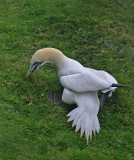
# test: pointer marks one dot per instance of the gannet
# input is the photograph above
(81, 86)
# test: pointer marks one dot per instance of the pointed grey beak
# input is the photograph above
(29, 72)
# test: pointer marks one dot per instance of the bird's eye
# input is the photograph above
(36, 66)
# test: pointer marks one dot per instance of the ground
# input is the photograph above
(97, 33)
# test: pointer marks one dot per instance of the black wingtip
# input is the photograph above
(120, 85)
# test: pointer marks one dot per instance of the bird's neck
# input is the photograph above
(59, 60)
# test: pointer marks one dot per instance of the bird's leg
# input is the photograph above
(103, 98)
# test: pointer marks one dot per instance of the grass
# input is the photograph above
(97, 33)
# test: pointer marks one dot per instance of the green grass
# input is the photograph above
(97, 33)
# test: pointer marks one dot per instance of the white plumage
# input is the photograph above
(84, 117)
(84, 81)
(81, 86)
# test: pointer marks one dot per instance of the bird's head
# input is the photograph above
(46, 55)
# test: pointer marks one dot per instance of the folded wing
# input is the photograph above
(84, 81)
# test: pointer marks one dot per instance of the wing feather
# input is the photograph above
(84, 81)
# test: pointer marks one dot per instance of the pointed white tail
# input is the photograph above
(88, 123)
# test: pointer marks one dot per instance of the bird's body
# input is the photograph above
(81, 86)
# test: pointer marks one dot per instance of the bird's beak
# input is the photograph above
(29, 72)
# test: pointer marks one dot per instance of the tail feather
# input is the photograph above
(72, 115)
(88, 123)
(97, 125)
(78, 116)
(82, 131)
(73, 124)
(78, 125)
(73, 111)
(70, 119)
(82, 125)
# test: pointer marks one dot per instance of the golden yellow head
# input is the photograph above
(46, 55)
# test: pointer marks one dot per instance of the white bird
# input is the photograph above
(81, 86)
